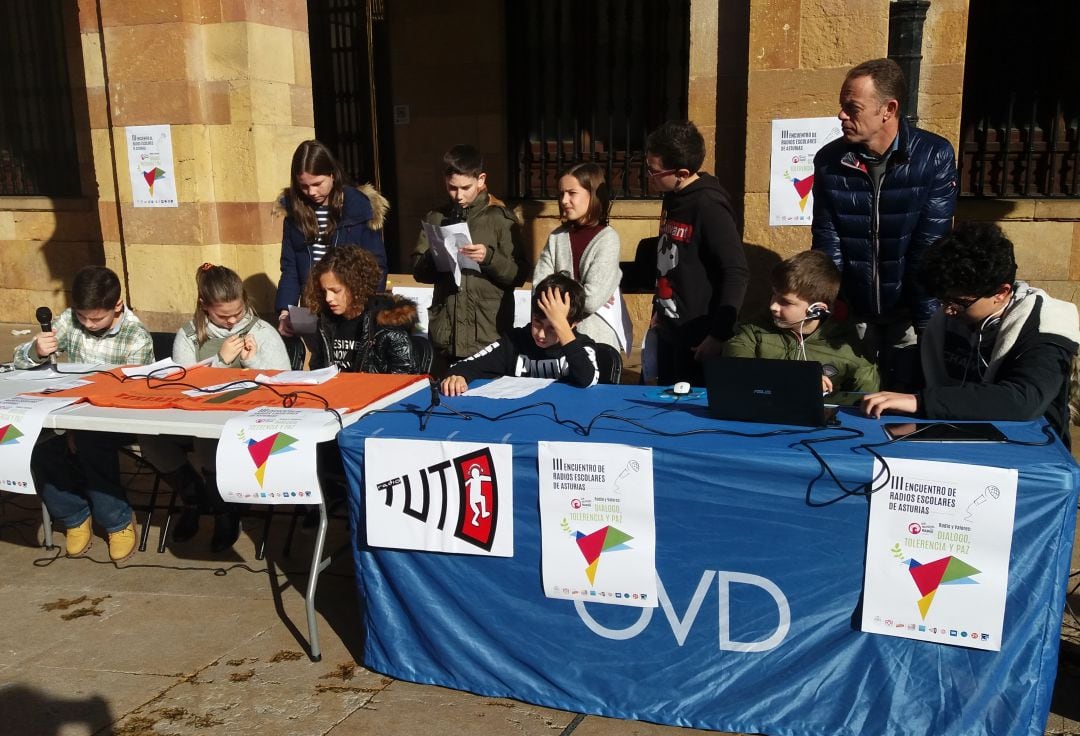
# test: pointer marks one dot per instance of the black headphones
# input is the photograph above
(817, 310)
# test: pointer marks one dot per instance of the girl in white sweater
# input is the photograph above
(225, 329)
(588, 249)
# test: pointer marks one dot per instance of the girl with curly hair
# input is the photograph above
(359, 329)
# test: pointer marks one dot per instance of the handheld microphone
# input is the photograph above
(457, 214)
(43, 315)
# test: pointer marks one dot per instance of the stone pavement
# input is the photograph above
(187, 642)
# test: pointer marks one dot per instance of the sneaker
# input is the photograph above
(122, 543)
(226, 531)
(188, 525)
(78, 539)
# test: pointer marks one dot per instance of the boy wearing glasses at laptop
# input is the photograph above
(804, 288)
(700, 263)
(997, 348)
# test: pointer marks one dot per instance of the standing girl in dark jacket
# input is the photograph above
(322, 211)
(359, 329)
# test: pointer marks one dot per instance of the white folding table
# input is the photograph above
(207, 424)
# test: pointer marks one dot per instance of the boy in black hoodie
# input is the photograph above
(701, 266)
(549, 347)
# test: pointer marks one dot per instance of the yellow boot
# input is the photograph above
(122, 543)
(78, 539)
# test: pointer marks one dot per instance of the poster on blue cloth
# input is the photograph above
(455, 497)
(597, 526)
(937, 557)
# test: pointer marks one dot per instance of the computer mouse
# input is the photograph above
(682, 388)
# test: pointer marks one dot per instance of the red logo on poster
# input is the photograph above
(478, 499)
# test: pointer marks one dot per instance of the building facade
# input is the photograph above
(533, 84)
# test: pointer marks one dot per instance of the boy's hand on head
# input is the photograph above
(474, 251)
(231, 348)
(876, 404)
(555, 305)
(453, 386)
(45, 344)
(708, 347)
(284, 323)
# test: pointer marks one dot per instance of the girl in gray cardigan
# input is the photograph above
(588, 249)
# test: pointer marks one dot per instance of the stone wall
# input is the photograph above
(233, 80)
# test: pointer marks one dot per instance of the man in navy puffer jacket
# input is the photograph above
(883, 193)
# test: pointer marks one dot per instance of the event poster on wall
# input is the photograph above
(267, 455)
(455, 497)
(150, 164)
(795, 142)
(937, 558)
(21, 418)
(597, 528)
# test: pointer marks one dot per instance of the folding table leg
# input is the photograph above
(46, 527)
(317, 566)
(163, 534)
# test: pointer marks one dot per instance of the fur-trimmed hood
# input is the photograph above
(390, 310)
(380, 205)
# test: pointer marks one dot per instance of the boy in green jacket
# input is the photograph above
(463, 319)
(804, 289)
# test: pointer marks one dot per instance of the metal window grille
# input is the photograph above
(1021, 114)
(37, 136)
(588, 81)
(351, 95)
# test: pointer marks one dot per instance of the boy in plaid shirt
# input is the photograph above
(81, 475)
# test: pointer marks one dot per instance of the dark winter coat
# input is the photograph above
(362, 217)
(463, 319)
(1026, 375)
(876, 238)
(517, 354)
(380, 344)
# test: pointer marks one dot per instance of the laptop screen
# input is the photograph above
(765, 390)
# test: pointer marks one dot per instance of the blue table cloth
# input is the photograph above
(734, 515)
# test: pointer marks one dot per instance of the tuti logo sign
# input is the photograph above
(439, 496)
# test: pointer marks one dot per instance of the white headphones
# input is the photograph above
(817, 310)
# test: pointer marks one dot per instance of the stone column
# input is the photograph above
(233, 80)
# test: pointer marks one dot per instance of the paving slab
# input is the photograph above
(408, 708)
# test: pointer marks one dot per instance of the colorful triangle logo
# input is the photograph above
(261, 450)
(592, 546)
(9, 433)
(931, 576)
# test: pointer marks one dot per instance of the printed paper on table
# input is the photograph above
(597, 528)
(937, 558)
(455, 497)
(21, 418)
(795, 143)
(267, 455)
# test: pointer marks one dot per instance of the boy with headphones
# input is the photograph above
(797, 327)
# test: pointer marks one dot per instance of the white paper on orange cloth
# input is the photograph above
(452, 497)
(267, 455)
(21, 418)
(597, 526)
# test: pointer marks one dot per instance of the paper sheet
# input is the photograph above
(299, 378)
(509, 387)
(304, 321)
(444, 242)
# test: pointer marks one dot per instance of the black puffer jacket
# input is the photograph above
(877, 238)
(382, 342)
